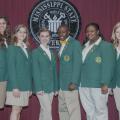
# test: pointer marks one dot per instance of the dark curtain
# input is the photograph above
(104, 12)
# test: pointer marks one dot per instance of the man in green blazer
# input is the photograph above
(69, 75)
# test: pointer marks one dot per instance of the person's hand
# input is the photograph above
(72, 86)
(16, 93)
(30, 93)
(104, 89)
(111, 92)
(56, 93)
(40, 93)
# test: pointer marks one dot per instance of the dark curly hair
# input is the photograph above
(7, 35)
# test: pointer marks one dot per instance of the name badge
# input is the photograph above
(98, 59)
(66, 58)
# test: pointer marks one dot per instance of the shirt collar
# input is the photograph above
(22, 44)
(43, 47)
(96, 43)
(65, 41)
(67, 38)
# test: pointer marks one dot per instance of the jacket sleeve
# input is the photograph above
(77, 63)
(3, 64)
(108, 63)
(36, 72)
(11, 67)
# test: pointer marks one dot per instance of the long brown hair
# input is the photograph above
(14, 39)
(113, 37)
(7, 34)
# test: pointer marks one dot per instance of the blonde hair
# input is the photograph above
(114, 39)
(17, 28)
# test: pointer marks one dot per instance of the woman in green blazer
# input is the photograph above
(44, 74)
(116, 80)
(19, 72)
(3, 45)
(97, 72)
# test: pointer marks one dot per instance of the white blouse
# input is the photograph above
(47, 50)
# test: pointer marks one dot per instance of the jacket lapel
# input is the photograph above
(66, 46)
(92, 51)
(45, 54)
(22, 52)
(52, 57)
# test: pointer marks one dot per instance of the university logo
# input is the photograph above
(51, 14)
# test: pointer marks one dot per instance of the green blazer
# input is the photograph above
(19, 69)
(3, 65)
(70, 64)
(44, 71)
(99, 65)
(116, 80)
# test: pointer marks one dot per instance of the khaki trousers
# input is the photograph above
(69, 106)
(2, 93)
(46, 106)
(117, 99)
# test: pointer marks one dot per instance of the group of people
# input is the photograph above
(77, 73)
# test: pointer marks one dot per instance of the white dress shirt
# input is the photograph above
(46, 50)
(118, 52)
(23, 46)
(5, 42)
(88, 47)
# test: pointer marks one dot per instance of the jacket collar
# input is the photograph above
(96, 43)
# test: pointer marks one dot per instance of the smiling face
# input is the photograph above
(63, 33)
(91, 33)
(44, 37)
(3, 25)
(21, 34)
